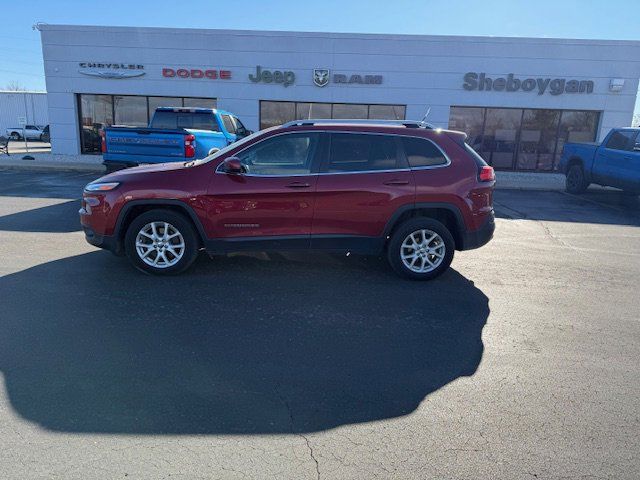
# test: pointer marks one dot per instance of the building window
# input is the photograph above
(155, 102)
(130, 110)
(276, 113)
(98, 111)
(523, 139)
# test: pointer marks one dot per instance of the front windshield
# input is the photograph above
(236, 144)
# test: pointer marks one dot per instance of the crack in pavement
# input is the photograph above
(311, 454)
(304, 437)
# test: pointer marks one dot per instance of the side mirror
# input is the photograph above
(233, 166)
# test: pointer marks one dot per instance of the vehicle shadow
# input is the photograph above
(56, 218)
(240, 345)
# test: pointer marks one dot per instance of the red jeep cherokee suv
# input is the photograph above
(403, 188)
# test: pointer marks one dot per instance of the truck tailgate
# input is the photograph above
(144, 145)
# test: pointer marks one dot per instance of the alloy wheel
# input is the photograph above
(160, 244)
(422, 251)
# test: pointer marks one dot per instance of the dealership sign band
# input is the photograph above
(556, 86)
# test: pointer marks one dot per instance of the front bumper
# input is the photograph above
(480, 237)
(108, 242)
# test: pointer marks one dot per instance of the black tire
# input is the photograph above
(178, 222)
(15, 136)
(394, 248)
(629, 198)
(111, 167)
(575, 180)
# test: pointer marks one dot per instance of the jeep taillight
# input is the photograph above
(103, 142)
(487, 174)
(189, 146)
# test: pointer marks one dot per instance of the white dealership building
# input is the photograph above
(519, 99)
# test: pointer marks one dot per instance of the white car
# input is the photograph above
(31, 132)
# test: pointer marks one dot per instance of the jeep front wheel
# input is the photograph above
(421, 249)
(161, 242)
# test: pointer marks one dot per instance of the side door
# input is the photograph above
(31, 132)
(611, 160)
(271, 204)
(363, 180)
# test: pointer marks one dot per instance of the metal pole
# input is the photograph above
(24, 136)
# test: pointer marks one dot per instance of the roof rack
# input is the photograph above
(331, 121)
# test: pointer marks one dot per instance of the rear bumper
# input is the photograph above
(480, 237)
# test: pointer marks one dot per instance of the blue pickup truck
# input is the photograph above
(613, 163)
(174, 134)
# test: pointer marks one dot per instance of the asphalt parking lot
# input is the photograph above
(521, 362)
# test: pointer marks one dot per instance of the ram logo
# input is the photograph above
(321, 76)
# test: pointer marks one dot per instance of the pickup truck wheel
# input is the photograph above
(575, 181)
(161, 242)
(421, 249)
(15, 136)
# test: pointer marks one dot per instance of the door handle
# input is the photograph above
(298, 185)
(396, 181)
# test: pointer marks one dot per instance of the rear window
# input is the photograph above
(421, 152)
(191, 120)
(475, 155)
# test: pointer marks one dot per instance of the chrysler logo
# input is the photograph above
(111, 70)
(321, 76)
(111, 74)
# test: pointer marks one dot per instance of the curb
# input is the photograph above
(530, 188)
(54, 168)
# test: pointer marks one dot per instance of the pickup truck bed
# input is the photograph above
(145, 145)
(174, 134)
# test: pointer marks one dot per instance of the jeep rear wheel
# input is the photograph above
(161, 242)
(421, 249)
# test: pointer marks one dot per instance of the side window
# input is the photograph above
(621, 140)
(240, 128)
(30, 127)
(288, 154)
(422, 153)
(228, 124)
(352, 152)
